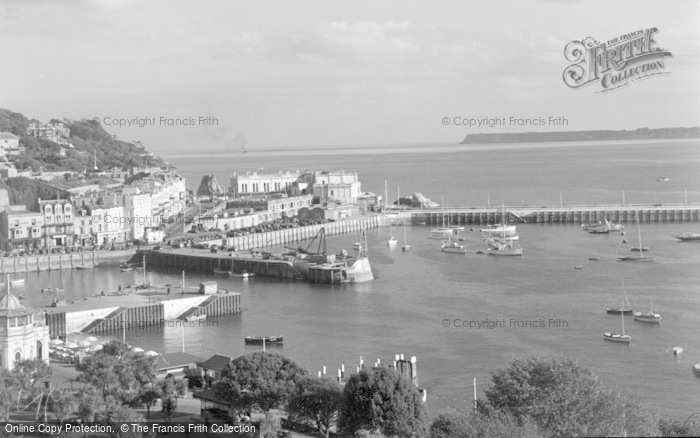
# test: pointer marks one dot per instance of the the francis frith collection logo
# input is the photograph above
(615, 63)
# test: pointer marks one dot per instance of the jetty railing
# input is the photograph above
(647, 213)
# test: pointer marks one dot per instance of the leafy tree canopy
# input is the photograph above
(383, 400)
(317, 401)
(566, 399)
(260, 379)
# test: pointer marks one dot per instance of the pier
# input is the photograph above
(289, 235)
(113, 314)
(54, 262)
(574, 214)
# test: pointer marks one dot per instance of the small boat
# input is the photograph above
(578, 267)
(221, 272)
(456, 229)
(641, 257)
(453, 247)
(649, 316)
(502, 247)
(662, 179)
(499, 230)
(241, 274)
(392, 241)
(696, 369)
(644, 248)
(17, 282)
(84, 266)
(126, 268)
(357, 245)
(625, 307)
(259, 340)
(196, 317)
(688, 237)
(51, 290)
(440, 233)
(595, 259)
(677, 350)
(616, 337)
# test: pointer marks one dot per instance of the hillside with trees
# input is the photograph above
(89, 141)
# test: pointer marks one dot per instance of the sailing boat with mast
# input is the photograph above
(641, 257)
(616, 337)
(405, 246)
(392, 240)
(442, 233)
(625, 307)
(649, 316)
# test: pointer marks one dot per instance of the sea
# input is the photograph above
(465, 316)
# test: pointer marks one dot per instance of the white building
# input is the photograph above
(336, 187)
(261, 183)
(24, 333)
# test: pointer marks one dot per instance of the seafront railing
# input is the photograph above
(646, 213)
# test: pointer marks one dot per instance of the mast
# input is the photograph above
(386, 196)
(622, 315)
(639, 233)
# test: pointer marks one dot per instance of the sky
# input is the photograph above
(283, 74)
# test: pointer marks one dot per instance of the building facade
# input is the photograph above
(336, 187)
(24, 333)
(20, 228)
(56, 132)
(58, 227)
(261, 183)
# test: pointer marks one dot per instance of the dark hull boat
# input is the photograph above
(259, 340)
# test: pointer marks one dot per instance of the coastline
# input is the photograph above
(413, 148)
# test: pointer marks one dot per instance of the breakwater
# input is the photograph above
(289, 235)
(116, 314)
(53, 262)
(561, 214)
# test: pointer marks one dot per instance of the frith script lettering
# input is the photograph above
(615, 63)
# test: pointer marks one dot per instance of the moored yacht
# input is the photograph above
(453, 247)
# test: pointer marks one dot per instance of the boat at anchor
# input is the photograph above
(453, 247)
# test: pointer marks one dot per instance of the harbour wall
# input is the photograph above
(260, 265)
(112, 320)
(54, 262)
(289, 235)
(549, 215)
(280, 268)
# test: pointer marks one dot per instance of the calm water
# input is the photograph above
(402, 311)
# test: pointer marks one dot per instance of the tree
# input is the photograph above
(117, 372)
(116, 414)
(270, 426)
(9, 393)
(259, 379)
(385, 401)
(87, 408)
(480, 424)
(62, 406)
(565, 399)
(148, 397)
(681, 425)
(170, 388)
(317, 401)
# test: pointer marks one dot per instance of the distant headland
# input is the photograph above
(598, 135)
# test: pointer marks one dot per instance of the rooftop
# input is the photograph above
(8, 136)
(216, 362)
